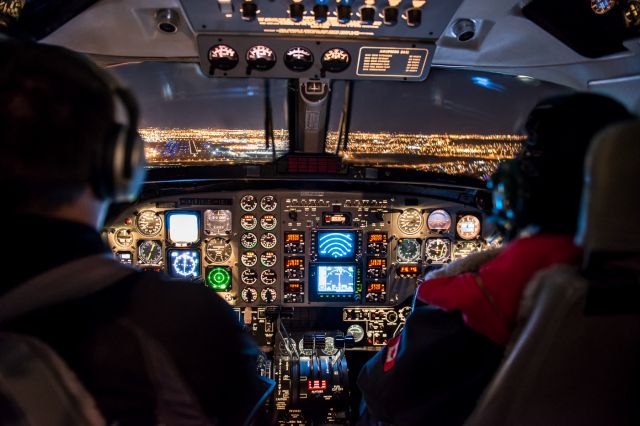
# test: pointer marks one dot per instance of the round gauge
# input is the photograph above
(329, 346)
(185, 265)
(410, 221)
(268, 259)
(248, 221)
(249, 294)
(303, 351)
(439, 221)
(601, 7)
(123, 237)
(217, 222)
(268, 240)
(268, 277)
(465, 248)
(298, 59)
(150, 252)
(218, 250)
(249, 240)
(249, 276)
(268, 222)
(437, 250)
(268, 203)
(268, 295)
(336, 60)
(223, 57)
(468, 227)
(408, 250)
(356, 331)
(248, 203)
(249, 258)
(149, 223)
(261, 58)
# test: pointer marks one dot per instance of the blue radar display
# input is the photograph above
(184, 263)
(336, 244)
(336, 279)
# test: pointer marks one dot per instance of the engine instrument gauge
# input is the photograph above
(268, 277)
(437, 250)
(336, 60)
(261, 58)
(268, 240)
(468, 227)
(149, 252)
(249, 276)
(123, 237)
(218, 250)
(268, 259)
(248, 221)
(600, 7)
(249, 258)
(249, 240)
(249, 294)
(298, 59)
(410, 221)
(223, 57)
(268, 222)
(217, 222)
(268, 295)
(268, 203)
(248, 203)
(439, 221)
(149, 223)
(408, 250)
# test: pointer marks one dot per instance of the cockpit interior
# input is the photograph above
(311, 160)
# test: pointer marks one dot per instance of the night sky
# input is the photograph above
(452, 101)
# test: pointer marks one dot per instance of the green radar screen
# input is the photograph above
(219, 278)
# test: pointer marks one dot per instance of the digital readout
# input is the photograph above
(376, 263)
(293, 287)
(336, 219)
(294, 262)
(409, 270)
(374, 287)
(294, 237)
(377, 237)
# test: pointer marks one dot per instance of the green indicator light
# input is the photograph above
(219, 278)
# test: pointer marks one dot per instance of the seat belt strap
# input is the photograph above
(71, 281)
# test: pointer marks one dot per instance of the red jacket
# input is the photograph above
(489, 299)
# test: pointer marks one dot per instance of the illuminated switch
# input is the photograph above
(414, 17)
(367, 15)
(320, 11)
(296, 11)
(249, 10)
(390, 15)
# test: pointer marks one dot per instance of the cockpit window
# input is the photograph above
(455, 122)
(189, 119)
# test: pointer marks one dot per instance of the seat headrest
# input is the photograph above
(610, 198)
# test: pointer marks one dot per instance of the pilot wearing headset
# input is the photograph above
(465, 313)
(149, 350)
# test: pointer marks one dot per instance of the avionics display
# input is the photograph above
(335, 279)
(184, 263)
(183, 227)
(336, 244)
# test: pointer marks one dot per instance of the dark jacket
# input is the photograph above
(197, 329)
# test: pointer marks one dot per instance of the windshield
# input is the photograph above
(457, 122)
(189, 119)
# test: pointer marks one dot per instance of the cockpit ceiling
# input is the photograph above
(504, 41)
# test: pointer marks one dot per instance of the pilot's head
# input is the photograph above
(66, 129)
(540, 189)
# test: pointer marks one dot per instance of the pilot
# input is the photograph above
(465, 313)
(150, 350)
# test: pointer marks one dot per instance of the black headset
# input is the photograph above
(118, 167)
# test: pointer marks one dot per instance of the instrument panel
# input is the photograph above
(300, 249)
